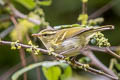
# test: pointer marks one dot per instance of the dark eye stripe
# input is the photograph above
(47, 34)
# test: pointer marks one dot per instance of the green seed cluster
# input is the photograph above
(84, 60)
(83, 18)
(96, 21)
(101, 40)
(14, 45)
(84, 66)
(33, 48)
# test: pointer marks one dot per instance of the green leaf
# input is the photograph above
(67, 73)
(117, 66)
(52, 73)
(35, 29)
(30, 4)
(46, 64)
(45, 3)
(84, 60)
(50, 64)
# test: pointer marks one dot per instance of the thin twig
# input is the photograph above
(35, 59)
(23, 16)
(6, 32)
(106, 50)
(112, 53)
(89, 69)
(23, 45)
(97, 63)
(19, 14)
(103, 9)
(24, 63)
(21, 50)
(84, 7)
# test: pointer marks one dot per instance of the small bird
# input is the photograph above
(69, 41)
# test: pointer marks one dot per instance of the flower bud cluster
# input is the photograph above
(101, 40)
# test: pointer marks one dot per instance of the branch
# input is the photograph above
(23, 16)
(84, 7)
(103, 9)
(23, 45)
(35, 60)
(97, 63)
(19, 14)
(112, 53)
(105, 50)
(21, 50)
(6, 32)
(89, 69)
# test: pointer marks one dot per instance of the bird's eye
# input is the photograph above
(44, 34)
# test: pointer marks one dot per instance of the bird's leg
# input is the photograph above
(50, 50)
(73, 59)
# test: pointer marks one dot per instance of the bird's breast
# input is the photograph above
(67, 44)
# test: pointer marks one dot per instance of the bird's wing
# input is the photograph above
(64, 34)
(69, 33)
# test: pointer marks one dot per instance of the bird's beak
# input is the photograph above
(36, 35)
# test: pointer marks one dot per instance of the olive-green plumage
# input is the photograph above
(69, 41)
